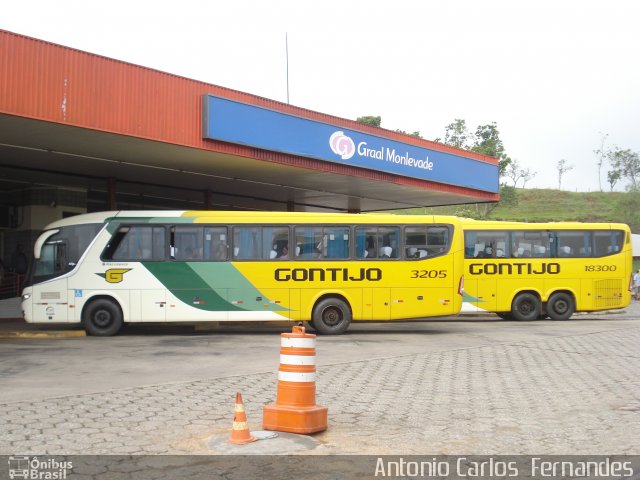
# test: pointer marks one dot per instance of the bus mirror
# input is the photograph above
(37, 248)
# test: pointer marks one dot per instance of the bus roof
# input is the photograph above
(470, 223)
(214, 216)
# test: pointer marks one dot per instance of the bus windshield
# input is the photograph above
(61, 252)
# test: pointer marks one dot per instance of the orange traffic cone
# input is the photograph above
(240, 433)
(295, 409)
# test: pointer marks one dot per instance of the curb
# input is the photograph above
(42, 334)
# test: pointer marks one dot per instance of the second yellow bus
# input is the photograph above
(526, 271)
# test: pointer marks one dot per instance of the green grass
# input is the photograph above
(545, 205)
(538, 205)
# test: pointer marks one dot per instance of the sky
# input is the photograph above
(557, 76)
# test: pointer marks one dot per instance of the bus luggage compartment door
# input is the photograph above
(381, 304)
(421, 302)
(149, 305)
(482, 293)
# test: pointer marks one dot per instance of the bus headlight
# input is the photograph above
(26, 296)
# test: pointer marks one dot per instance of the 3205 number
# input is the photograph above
(428, 274)
(600, 268)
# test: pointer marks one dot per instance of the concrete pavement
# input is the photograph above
(475, 386)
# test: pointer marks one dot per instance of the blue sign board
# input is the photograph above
(235, 122)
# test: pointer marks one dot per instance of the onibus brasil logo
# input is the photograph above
(22, 466)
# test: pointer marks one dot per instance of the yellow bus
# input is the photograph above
(106, 269)
(526, 271)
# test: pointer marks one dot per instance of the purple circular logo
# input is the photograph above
(342, 145)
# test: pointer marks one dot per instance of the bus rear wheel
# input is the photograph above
(102, 318)
(560, 306)
(331, 316)
(526, 307)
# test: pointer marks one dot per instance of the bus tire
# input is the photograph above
(331, 316)
(102, 318)
(560, 306)
(526, 307)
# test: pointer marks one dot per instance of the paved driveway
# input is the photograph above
(473, 385)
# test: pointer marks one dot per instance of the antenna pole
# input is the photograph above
(286, 44)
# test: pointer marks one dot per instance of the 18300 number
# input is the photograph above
(600, 268)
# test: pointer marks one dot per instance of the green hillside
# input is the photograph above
(540, 205)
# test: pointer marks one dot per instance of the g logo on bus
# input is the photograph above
(114, 275)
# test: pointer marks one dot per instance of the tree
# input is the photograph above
(487, 142)
(457, 134)
(612, 177)
(517, 173)
(508, 196)
(370, 120)
(627, 163)
(414, 134)
(480, 211)
(526, 176)
(601, 155)
(562, 167)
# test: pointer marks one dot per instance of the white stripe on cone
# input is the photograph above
(297, 359)
(298, 342)
(297, 377)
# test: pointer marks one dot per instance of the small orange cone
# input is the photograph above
(240, 433)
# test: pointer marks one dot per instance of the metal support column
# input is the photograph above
(208, 199)
(112, 200)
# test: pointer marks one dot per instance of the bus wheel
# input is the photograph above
(102, 318)
(560, 306)
(331, 316)
(525, 307)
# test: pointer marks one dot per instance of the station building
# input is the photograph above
(81, 133)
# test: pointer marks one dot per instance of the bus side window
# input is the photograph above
(215, 246)
(573, 243)
(415, 242)
(539, 251)
(366, 242)
(188, 242)
(136, 243)
(336, 242)
(485, 244)
(247, 243)
(311, 242)
(275, 242)
(389, 236)
(607, 242)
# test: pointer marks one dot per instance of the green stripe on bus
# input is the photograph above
(203, 285)
(181, 280)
